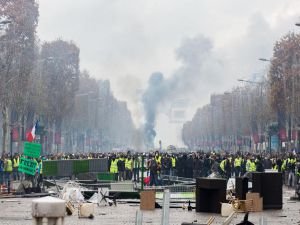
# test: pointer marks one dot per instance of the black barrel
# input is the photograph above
(210, 192)
(241, 187)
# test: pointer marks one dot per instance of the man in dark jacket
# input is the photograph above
(206, 166)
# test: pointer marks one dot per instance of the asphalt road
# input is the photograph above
(18, 212)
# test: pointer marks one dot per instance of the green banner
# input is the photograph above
(32, 149)
(27, 166)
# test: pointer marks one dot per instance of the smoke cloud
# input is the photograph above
(194, 54)
(152, 97)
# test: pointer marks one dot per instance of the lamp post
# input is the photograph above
(264, 60)
(5, 22)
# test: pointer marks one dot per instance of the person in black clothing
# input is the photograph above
(184, 165)
(279, 164)
(166, 165)
(180, 166)
(267, 163)
(189, 167)
(121, 168)
(200, 166)
(259, 164)
(154, 169)
(196, 167)
(243, 165)
(206, 166)
(227, 169)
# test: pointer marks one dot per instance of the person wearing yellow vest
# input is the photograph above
(225, 168)
(222, 165)
(16, 162)
(114, 166)
(237, 165)
(157, 157)
(8, 169)
(128, 167)
(284, 165)
(250, 165)
(137, 164)
(275, 167)
(173, 170)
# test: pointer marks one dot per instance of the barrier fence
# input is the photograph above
(62, 168)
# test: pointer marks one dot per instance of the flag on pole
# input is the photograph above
(31, 134)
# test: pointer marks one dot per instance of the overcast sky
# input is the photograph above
(127, 40)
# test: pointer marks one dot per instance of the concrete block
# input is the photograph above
(48, 221)
(48, 207)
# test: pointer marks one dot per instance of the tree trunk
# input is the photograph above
(20, 126)
(4, 129)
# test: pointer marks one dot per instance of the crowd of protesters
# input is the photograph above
(128, 165)
(9, 170)
(201, 164)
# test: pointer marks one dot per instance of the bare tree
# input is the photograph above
(17, 57)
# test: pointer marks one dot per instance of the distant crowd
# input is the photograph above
(129, 165)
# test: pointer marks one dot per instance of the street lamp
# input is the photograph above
(5, 22)
(249, 81)
(264, 59)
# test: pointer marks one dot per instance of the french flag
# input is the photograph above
(31, 134)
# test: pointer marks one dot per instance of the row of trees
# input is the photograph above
(256, 114)
(43, 82)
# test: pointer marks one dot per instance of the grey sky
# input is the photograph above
(127, 40)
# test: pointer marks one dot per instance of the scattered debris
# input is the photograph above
(86, 210)
(72, 192)
(208, 222)
(70, 208)
(229, 219)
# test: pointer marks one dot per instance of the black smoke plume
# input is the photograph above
(193, 53)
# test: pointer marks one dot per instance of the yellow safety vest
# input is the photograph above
(222, 165)
(114, 166)
(16, 162)
(283, 166)
(158, 160)
(8, 167)
(173, 162)
(248, 165)
(252, 167)
(292, 161)
(237, 162)
(128, 164)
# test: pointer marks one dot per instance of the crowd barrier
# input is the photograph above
(62, 168)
